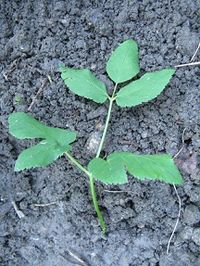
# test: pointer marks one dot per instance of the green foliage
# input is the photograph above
(156, 167)
(123, 63)
(55, 141)
(149, 86)
(83, 83)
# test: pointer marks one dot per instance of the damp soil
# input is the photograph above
(35, 38)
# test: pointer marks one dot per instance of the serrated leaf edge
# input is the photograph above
(97, 87)
(144, 101)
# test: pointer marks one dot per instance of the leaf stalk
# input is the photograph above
(92, 188)
(74, 161)
(96, 205)
(111, 99)
(92, 183)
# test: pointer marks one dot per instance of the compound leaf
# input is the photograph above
(83, 83)
(156, 167)
(123, 63)
(55, 141)
(144, 89)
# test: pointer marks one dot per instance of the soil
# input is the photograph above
(35, 38)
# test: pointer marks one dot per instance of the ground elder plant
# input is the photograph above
(122, 67)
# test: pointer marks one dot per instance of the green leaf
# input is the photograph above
(156, 167)
(108, 172)
(22, 125)
(144, 89)
(123, 63)
(39, 155)
(56, 141)
(83, 83)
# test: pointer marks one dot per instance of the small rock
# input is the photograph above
(93, 143)
(100, 111)
(196, 236)
(191, 215)
(188, 162)
(186, 233)
(182, 43)
(25, 46)
(65, 21)
(195, 194)
(80, 44)
(93, 67)
(96, 19)
(144, 134)
(22, 42)
(51, 65)
(20, 196)
(60, 5)
(104, 44)
(134, 13)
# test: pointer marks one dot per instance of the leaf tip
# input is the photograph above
(61, 68)
(179, 180)
(172, 70)
(17, 167)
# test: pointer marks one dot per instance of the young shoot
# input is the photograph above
(122, 66)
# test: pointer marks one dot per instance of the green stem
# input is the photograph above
(92, 188)
(74, 161)
(92, 183)
(107, 122)
(96, 205)
(105, 129)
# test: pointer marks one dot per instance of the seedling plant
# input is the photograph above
(122, 67)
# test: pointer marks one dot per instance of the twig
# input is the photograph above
(179, 199)
(45, 204)
(188, 64)
(177, 220)
(19, 213)
(176, 155)
(37, 94)
(182, 140)
(195, 53)
(49, 78)
(191, 63)
(77, 258)
(11, 69)
(115, 191)
(5, 76)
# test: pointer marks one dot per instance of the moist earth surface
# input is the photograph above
(59, 223)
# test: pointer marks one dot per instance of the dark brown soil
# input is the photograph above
(35, 38)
